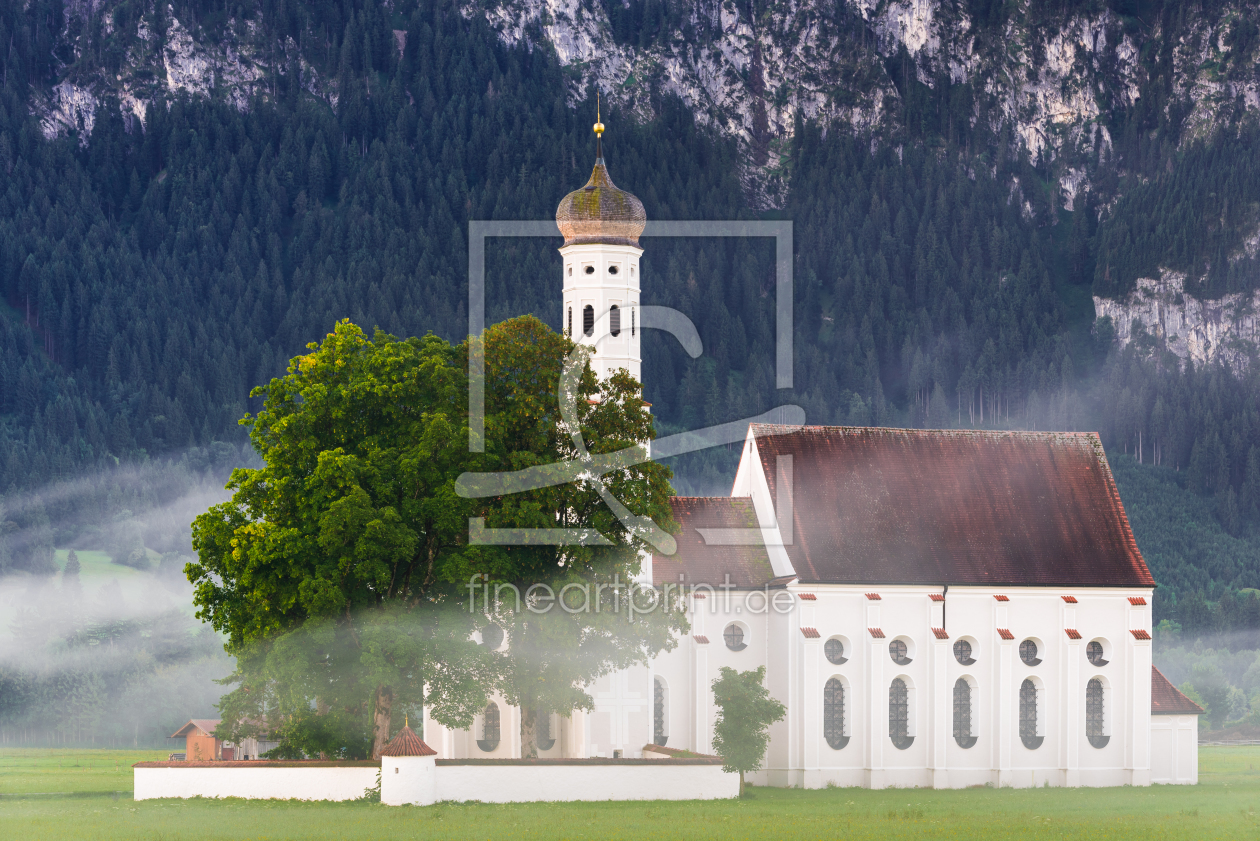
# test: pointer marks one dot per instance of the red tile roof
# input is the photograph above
(1136, 600)
(1166, 699)
(876, 633)
(1005, 634)
(748, 565)
(873, 597)
(807, 597)
(700, 638)
(811, 633)
(911, 506)
(699, 596)
(1072, 633)
(940, 633)
(1140, 634)
(1002, 598)
(1069, 599)
(936, 597)
(407, 743)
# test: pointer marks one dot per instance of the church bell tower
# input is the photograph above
(601, 226)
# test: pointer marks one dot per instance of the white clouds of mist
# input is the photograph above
(116, 657)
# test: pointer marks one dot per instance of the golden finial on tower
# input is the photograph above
(599, 127)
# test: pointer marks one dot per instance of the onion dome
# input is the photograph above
(407, 743)
(600, 212)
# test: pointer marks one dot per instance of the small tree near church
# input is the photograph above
(745, 711)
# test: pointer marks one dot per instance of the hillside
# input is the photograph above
(194, 192)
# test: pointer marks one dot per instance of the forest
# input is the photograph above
(152, 274)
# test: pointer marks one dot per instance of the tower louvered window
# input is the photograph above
(614, 320)
(489, 728)
(658, 713)
(1094, 724)
(632, 315)
(588, 320)
(899, 715)
(833, 714)
(962, 714)
(569, 333)
(1028, 715)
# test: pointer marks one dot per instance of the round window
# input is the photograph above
(897, 651)
(834, 649)
(492, 637)
(1028, 653)
(734, 637)
(962, 653)
(612, 269)
(590, 270)
(1094, 651)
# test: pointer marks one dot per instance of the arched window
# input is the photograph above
(489, 728)
(834, 650)
(1094, 723)
(614, 320)
(660, 726)
(1094, 653)
(588, 320)
(899, 715)
(569, 333)
(542, 731)
(962, 714)
(1028, 715)
(1028, 653)
(962, 653)
(833, 714)
(734, 637)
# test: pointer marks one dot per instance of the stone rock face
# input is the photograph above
(1226, 329)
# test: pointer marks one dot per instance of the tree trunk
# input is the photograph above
(380, 719)
(529, 729)
(741, 783)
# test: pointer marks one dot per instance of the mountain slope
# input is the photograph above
(210, 193)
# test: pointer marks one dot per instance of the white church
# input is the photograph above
(936, 608)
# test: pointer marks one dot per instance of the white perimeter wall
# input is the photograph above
(257, 783)
(418, 781)
(654, 780)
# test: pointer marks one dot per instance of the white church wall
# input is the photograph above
(254, 780)
(1175, 749)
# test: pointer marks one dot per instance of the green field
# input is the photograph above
(96, 564)
(1224, 805)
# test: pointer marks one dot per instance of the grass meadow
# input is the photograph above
(86, 794)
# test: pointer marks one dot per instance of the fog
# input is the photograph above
(112, 656)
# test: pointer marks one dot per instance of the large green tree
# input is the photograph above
(339, 571)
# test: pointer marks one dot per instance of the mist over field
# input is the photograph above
(111, 655)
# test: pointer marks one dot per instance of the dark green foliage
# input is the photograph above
(1190, 217)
